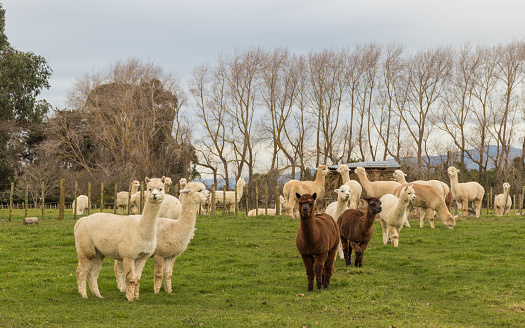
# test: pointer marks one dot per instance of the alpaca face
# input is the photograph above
(343, 192)
(306, 204)
(360, 171)
(451, 222)
(374, 204)
(135, 184)
(342, 168)
(506, 186)
(411, 193)
(155, 189)
(398, 174)
(452, 172)
(197, 192)
(323, 170)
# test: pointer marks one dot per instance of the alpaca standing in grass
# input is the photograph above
(173, 236)
(130, 239)
(356, 229)
(503, 202)
(316, 240)
(335, 209)
(123, 197)
(394, 214)
(82, 203)
(375, 188)
(466, 192)
(293, 187)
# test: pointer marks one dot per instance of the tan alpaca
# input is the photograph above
(375, 188)
(394, 213)
(293, 187)
(130, 239)
(465, 192)
(355, 187)
(123, 196)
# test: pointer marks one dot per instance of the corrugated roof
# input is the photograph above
(388, 164)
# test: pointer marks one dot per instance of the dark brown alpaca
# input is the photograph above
(356, 229)
(317, 240)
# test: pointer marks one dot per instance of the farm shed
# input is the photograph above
(381, 170)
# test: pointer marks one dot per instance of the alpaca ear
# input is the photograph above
(297, 195)
(185, 191)
(147, 179)
(163, 179)
(314, 196)
(336, 190)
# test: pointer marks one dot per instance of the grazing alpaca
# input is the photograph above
(375, 188)
(130, 239)
(316, 241)
(82, 202)
(466, 192)
(122, 197)
(429, 201)
(441, 187)
(355, 187)
(173, 236)
(503, 202)
(336, 208)
(293, 187)
(394, 214)
(356, 229)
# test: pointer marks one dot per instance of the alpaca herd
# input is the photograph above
(166, 225)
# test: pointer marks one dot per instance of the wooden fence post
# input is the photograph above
(491, 201)
(236, 201)
(43, 200)
(115, 200)
(89, 198)
(101, 196)
(129, 198)
(224, 199)
(266, 199)
(26, 199)
(256, 200)
(212, 199)
(75, 201)
(277, 201)
(62, 205)
(247, 199)
(11, 201)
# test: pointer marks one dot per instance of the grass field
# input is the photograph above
(245, 272)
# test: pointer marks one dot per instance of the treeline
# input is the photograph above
(370, 102)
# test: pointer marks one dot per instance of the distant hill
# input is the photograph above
(492, 150)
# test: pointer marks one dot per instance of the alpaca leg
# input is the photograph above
(392, 235)
(329, 267)
(131, 280)
(139, 266)
(384, 229)
(358, 253)
(478, 208)
(308, 262)
(119, 276)
(362, 248)
(319, 263)
(158, 272)
(430, 214)
(465, 208)
(168, 271)
(340, 250)
(395, 238)
(347, 251)
(92, 276)
(84, 266)
(422, 214)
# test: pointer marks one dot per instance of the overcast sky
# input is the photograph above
(78, 37)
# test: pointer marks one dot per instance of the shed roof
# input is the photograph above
(388, 164)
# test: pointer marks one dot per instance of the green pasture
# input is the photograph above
(244, 271)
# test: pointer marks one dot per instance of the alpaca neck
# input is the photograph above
(401, 180)
(308, 230)
(345, 176)
(401, 206)
(134, 189)
(319, 178)
(239, 188)
(188, 214)
(454, 184)
(148, 220)
(342, 205)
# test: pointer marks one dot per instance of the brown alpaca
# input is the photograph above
(356, 229)
(317, 241)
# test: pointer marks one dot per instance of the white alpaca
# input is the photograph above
(228, 198)
(173, 236)
(293, 187)
(465, 192)
(270, 211)
(503, 202)
(82, 203)
(171, 206)
(182, 184)
(355, 187)
(123, 196)
(394, 213)
(167, 184)
(130, 239)
(375, 188)
(334, 209)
